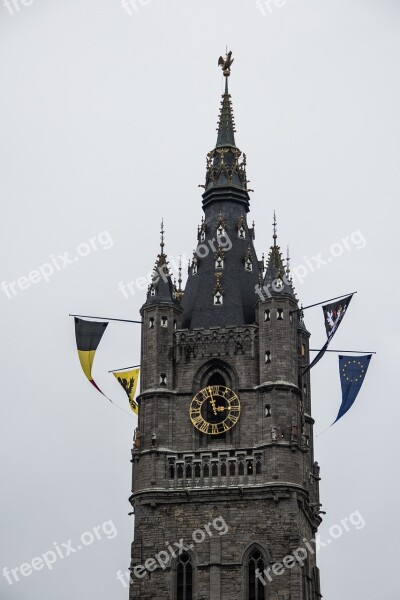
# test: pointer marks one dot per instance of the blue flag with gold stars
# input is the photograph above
(352, 375)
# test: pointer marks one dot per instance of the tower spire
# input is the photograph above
(226, 166)
(275, 225)
(162, 244)
(161, 289)
(277, 275)
(288, 273)
(180, 274)
(226, 124)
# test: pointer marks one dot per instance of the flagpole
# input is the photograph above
(126, 368)
(106, 319)
(319, 303)
(347, 351)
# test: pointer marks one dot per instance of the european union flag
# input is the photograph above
(352, 375)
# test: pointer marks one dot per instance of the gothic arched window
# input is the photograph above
(223, 467)
(248, 265)
(218, 299)
(184, 578)
(255, 564)
(219, 263)
(220, 231)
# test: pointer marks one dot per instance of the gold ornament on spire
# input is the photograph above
(275, 229)
(162, 244)
(226, 63)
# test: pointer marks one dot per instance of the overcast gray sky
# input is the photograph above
(106, 118)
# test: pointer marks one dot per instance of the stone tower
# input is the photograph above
(225, 487)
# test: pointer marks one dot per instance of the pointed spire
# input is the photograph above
(161, 289)
(178, 290)
(220, 290)
(162, 262)
(275, 229)
(180, 274)
(226, 124)
(162, 244)
(277, 277)
(253, 231)
(288, 273)
(226, 166)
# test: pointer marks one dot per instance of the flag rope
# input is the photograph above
(348, 351)
(319, 303)
(106, 319)
(125, 369)
(120, 407)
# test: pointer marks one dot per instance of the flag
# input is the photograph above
(352, 375)
(333, 316)
(128, 380)
(88, 335)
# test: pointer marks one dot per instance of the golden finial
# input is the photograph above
(180, 275)
(162, 237)
(288, 264)
(226, 63)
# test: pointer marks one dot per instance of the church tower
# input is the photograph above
(225, 487)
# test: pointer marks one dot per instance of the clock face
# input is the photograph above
(215, 410)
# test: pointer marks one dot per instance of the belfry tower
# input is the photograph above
(225, 487)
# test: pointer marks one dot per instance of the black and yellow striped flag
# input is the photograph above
(88, 336)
